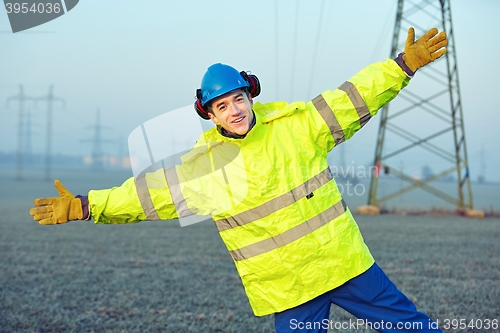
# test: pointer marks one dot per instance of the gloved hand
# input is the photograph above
(426, 49)
(59, 209)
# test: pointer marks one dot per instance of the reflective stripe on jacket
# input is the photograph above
(271, 194)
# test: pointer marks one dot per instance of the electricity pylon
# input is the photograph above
(21, 98)
(50, 98)
(97, 141)
(431, 120)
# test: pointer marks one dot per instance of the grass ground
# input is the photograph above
(159, 277)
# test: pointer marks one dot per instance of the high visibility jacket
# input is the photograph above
(271, 194)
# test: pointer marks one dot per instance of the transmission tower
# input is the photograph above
(482, 176)
(429, 122)
(28, 149)
(50, 98)
(21, 98)
(97, 141)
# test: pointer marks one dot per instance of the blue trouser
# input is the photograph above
(371, 297)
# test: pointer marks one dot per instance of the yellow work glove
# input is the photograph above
(57, 210)
(426, 49)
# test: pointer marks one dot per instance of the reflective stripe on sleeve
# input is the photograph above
(175, 190)
(142, 190)
(277, 203)
(291, 235)
(357, 101)
(329, 117)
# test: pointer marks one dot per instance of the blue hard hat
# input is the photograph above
(219, 80)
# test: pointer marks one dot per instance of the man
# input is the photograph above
(263, 176)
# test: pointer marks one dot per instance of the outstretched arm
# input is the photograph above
(137, 199)
(146, 197)
(348, 108)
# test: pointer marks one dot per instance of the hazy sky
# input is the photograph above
(135, 60)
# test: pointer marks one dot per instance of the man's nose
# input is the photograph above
(235, 109)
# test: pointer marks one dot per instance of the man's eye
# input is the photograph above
(222, 108)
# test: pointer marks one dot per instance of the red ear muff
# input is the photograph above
(254, 83)
(200, 110)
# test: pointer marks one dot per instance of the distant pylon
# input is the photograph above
(29, 150)
(21, 98)
(122, 152)
(438, 127)
(482, 176)
(50, 98)
(97, 141)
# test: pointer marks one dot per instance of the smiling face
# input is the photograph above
(233, 112)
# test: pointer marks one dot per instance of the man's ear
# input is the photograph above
(213, 118)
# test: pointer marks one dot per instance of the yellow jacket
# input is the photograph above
(271, 194)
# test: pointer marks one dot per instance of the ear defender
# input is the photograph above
(254, 83)
(200, 110)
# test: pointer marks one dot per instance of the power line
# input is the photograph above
(294, 51)
(276, 47)
(316, 47)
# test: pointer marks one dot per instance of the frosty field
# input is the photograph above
(159, 277)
